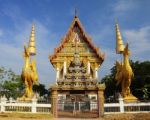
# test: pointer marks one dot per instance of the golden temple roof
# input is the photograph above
(87, 39)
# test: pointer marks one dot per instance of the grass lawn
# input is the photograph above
(25, 115)
(128, 116)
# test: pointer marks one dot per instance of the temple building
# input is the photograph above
(77, 61)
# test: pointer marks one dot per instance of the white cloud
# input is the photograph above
(139, 41)
(11, 57)
(109, 62)
(123, 6)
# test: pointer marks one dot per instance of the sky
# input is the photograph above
(52, 19)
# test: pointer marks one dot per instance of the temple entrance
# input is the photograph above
(77, 92)
(77, 105)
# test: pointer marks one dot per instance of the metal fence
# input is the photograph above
(84, 109)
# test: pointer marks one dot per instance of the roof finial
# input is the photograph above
(75, 12)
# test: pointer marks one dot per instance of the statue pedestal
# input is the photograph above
(130, 98)
(24, 99)
(27, 99)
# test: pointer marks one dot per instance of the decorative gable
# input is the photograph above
(86, 49)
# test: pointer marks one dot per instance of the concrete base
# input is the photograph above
(24, 99)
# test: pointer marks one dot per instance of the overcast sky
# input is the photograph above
(53, 18)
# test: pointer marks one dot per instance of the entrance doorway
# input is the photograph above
(77, 105)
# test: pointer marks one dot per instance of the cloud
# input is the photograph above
(139, 41)
(124, 5)
(11, 57)
(109, 61)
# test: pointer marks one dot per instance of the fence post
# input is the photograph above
(91, 105)
(10, 99)
(63, 105)
(79, 106)
(34, 101)
(74, 105)
(3, 103)
(121, 105)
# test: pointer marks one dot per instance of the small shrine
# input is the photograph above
(77, 61)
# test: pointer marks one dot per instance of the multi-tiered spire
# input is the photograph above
(119, 42)
(32, 47)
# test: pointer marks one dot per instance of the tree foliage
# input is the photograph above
(41, 90)
(140, 85)
(11, 84)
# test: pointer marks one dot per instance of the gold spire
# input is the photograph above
(32, 47)
(119, 42)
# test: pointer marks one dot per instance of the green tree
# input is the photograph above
(41, 90)
(110, 82)
(140, 85)
(11, 84)
(2, 76)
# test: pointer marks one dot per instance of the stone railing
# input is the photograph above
(14, 106)
(123, 107)
(35, 107)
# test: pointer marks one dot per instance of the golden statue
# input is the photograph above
(29, 73)
(124, 72)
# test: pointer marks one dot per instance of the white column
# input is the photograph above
(121, 105)
(96, 73)
(65, 68)
(3, 103)
(57, 74)
(88, 67)
(34, 101)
